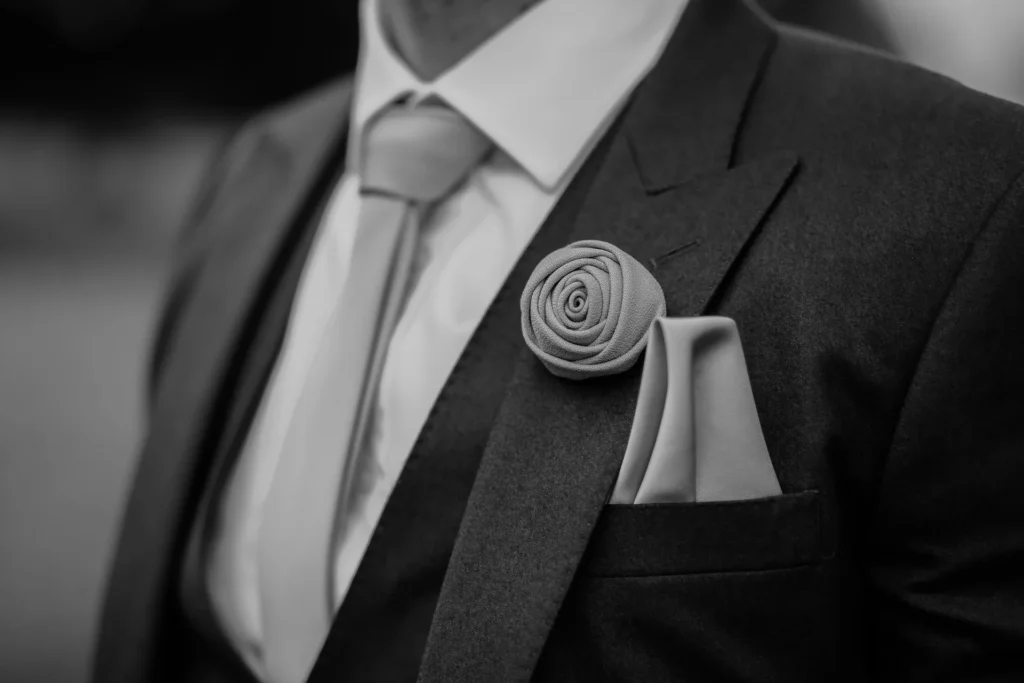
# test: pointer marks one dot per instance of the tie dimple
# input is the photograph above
(412, 158)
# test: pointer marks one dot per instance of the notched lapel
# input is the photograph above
(666, 196)
(558, 444)
(697, 232)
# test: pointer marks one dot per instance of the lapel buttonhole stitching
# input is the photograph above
(659, 260)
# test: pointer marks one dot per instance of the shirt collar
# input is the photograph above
(544, 118)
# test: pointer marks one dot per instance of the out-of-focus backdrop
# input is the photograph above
(109, 111)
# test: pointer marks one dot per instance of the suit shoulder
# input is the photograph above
(320, 108)
(304, 120)
(880, 110)
(307, 119)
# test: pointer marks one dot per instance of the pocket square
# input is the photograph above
(695, 436)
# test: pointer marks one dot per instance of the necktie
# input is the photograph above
(412, 158)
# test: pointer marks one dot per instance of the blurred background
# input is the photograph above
(110, 110)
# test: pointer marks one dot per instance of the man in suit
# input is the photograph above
(859, 219)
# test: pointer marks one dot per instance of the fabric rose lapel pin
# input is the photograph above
(589, 310)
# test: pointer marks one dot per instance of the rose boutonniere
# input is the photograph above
(587, 310)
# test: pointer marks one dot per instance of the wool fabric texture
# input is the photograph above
(587, 310)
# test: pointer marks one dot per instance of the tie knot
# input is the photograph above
(420, 153)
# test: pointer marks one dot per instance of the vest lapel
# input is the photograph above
(244, 241)
(668, 197)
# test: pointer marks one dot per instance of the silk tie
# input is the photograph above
(411, 159)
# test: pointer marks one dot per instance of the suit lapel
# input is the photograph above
(306, 134)
(668, 197)
(246, 238)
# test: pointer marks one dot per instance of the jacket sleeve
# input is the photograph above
(945, 561)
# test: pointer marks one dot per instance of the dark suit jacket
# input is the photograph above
(859, 218)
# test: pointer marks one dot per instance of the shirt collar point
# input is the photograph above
(547, 171)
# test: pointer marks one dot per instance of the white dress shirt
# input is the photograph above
(544, 90)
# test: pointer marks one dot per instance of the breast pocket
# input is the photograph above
(692, 538)
(746, 591)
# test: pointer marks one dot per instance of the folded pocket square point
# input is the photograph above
(696, 435)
